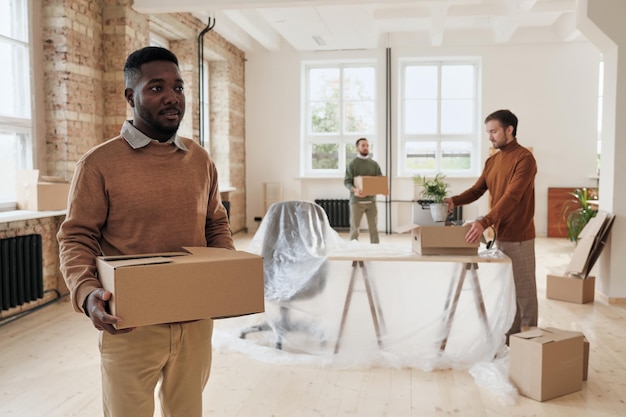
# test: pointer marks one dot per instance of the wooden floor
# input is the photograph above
(49, 367)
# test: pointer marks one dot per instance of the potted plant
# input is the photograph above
(435, 189)
(578, 211)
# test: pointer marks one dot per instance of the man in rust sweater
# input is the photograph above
(509, 175)
(147, 190)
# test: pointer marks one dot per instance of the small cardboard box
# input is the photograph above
(41, 193)
(372, 185)
(570, 288)
(166, 288)
(440, 240)
(546, 363)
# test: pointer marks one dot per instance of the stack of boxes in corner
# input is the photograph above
(576, 285)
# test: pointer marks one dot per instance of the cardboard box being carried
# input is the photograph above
(372, 185)
(173, 287)
(41, 193)
(546, 363)
(440, 240)
(570, 288)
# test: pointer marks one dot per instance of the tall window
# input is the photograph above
(340, 107)
(438, 117)
(15, 106)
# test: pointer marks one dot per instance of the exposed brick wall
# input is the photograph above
(85, 45)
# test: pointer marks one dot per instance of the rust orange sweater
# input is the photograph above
(509, 175)
(156, 198)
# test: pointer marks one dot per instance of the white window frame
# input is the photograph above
(473, 138)
(343, 140)
(19, 123)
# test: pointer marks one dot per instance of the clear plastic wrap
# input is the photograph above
(306, 288)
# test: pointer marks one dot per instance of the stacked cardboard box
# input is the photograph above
(41, 193)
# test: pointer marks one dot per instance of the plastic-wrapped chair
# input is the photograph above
(292, 239)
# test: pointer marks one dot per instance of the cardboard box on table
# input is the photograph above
(199, 283)
(41, 193)
(372, 185)
(440, 240)
(576, 285)
(546, 363)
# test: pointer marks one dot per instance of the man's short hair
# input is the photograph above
(506, 119)
(142, 56)
(359, 140)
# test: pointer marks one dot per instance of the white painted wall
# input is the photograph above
(552, 88)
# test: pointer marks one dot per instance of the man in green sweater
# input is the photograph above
(509, 176)
(147, 190)
(361, 204)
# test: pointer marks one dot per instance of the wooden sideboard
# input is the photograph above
(557, 196)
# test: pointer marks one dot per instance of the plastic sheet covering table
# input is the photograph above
(407, 310)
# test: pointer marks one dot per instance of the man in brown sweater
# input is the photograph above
(147, 190)
(509, 175)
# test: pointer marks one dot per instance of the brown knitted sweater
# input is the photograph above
(509, 175)
(156, 198)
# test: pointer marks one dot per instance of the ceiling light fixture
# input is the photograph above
(319, 40)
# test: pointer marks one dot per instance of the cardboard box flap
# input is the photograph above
(52, 179)
(547, 335)
(121, 263)
(143, 256)
(221, 253)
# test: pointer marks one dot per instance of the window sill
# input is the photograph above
(20, 215)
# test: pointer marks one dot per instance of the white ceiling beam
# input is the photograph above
(439, 13)
(257, 27)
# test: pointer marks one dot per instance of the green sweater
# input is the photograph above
(361, 167)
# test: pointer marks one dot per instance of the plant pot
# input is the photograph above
(439, 211)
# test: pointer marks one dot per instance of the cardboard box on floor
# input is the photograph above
(41, 193)
(199, 283)
(572, 289)
(576, 285)
(440, 240)
(546, 363)
(372, 185)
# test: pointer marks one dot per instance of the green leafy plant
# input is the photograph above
(435, 189)
(578, 211)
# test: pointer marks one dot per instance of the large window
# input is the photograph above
(340, 107)
(438, 117)
(15, 106)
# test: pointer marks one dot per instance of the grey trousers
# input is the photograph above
(356, 214)
(522, 255)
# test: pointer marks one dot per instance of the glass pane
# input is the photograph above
(359, 83)
(420, 116)
(324, 117)
(16, 93)
(324, 84)
(12, 158)
(421, 155)
(14, 19)
(359, 117)
(325, 156)
(456, 155)
(457, 81)
(457, 116)
(420, 82)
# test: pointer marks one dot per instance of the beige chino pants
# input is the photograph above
(178, 355)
